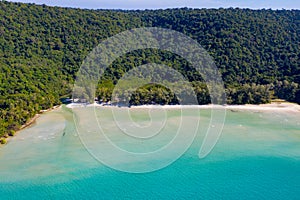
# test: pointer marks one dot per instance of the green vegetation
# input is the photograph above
(2, 141)
(41, 49)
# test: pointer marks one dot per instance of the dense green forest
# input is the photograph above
(42, 48)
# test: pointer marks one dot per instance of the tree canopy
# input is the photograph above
(42, 48)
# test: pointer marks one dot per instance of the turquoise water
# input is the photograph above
(256, 157)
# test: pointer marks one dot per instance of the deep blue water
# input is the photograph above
(241, 178)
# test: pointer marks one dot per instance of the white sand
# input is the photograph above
(282, 106)
(267, 107)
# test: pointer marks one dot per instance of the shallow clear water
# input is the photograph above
(256, 157)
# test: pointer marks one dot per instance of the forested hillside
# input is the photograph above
(41, 49)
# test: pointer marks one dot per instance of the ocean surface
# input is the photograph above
(256, 157)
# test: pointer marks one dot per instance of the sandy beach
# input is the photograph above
(286, 106)
(31, 121)
(36, 116)
(274, 106)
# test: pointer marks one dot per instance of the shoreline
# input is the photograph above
(36, 116)
(29, 123)
(273, 106)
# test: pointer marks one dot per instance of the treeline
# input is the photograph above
(42, 48)
(27, 88)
